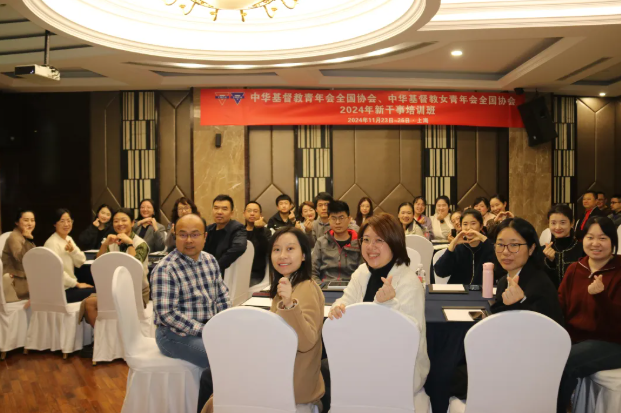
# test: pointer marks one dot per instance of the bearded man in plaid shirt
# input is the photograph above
(187, 291)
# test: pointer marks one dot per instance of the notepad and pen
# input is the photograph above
(464, 313)
(447, 289)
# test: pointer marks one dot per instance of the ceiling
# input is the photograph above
(563, 47)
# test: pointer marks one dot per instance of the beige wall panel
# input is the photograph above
(466, 164)
(268, 201)
(487, 164)
(184, 145)
(352, 197)
(377, 150)
(411, 153)
(283, 153)
(605, 148)
(399, 195)
(218, 170)
(167, 120)
(585, 148)
(260, 159)
(343, 163)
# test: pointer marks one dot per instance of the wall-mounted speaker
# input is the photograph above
(218, 140)
(537, 121)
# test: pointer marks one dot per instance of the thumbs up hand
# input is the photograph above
(387, 292)
(597, 286)
(285, 290)
(514, 292)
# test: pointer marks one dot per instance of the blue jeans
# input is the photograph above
(586, 358)
(188, 348)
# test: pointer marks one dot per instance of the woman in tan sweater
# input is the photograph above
(300, 302)
(17, 245)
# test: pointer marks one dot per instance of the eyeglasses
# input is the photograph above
(512, 248)
(66, 221)
(184, 209)
(378, 242)
(195, 235)
(337, 219)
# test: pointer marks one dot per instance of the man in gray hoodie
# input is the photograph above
(337, 254)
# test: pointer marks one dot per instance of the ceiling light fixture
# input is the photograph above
(240, 5)
(457, 53)
(602, 94)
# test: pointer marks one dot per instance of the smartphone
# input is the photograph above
(476, 315)
(474, 287)
(453, 233)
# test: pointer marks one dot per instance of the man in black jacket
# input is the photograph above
(226, 238)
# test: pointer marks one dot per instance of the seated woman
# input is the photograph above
(482, 205)
(525, 287)
(386, 279)
(258, 234)
(419, 215)
(365, 210)
(148, 228)
(590, 297)
(456, 221)
(17, 245)
(441, 221)
(306, 215)
(563, 249)
(126, 240)
(63, 245)
(92, 237)
(300, 302)
(405, 213)
(498, 205)
(183, 206)
(466, 254)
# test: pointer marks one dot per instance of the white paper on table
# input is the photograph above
(448, 287)
(459, 314)
(89, 262)
(439, 247)
(326, 311)
(259, 302)
(494, 291)
(92, 251)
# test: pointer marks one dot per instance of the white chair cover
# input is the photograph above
(599, 393)
(619, 236)
(3, 239)
(387, 341)
(155, 383)
(545, 237)
(107, 340)
(263, 284)
(415, 258)
(252, 355)
(436, 257)
(424, 248)
(532, 350)
(237, 276)
(13, 322)
(54, 324)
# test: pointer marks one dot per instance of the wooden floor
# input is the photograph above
(44, 382)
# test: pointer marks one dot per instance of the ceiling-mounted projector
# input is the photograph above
(37, 73)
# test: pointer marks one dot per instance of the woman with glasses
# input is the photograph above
(183, 206)
(526, 285)
(386, 279)
(470, 249)
(148, 228)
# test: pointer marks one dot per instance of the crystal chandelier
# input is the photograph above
(240, 5)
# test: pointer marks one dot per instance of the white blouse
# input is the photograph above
(75, 258)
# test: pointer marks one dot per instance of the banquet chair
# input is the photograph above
(237, 276)
(436, 257)
(545, 237)
(155, 383)
(265, 283)
(424, 247)
(54, 324)
(599, 393)
(3, 239)
(388, 341)
(13, 323)
(532, 350)
(107, 340)
(251, 355)
(619, 237)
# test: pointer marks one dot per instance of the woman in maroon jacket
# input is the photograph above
(590, 296)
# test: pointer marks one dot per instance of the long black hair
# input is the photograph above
(304, 272)
(526, 231)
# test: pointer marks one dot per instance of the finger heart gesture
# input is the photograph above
(514, 292)
(549, 252)
(387, 292)
(597, 286)
(69, 247)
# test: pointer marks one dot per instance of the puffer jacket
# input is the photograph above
(331, 262)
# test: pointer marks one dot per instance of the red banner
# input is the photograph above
(358, 107)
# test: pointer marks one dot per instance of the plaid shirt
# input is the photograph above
(187, 293)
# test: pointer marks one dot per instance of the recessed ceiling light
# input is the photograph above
(602, 94)
(457, 53)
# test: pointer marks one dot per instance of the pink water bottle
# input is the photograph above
(488, 280)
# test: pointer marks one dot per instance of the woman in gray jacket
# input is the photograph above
(148, 228)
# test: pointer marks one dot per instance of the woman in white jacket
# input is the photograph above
(441, 221)
(386, 279)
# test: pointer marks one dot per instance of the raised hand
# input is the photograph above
(69, 247)
(96, 223)
(83, 285)
(260, 223)
(514, 292)
(336, 312)
(308, 225)
(549, 252)
(597, 286)
(154, 223)
(291, 216)
(285, 290)
(112, 239)
(387, 292)
(124, 239)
